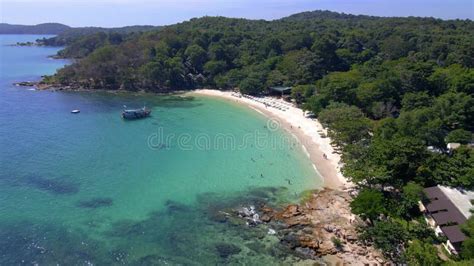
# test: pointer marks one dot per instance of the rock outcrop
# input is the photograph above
(322, 226)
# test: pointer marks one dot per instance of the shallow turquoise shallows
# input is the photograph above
(93, 188)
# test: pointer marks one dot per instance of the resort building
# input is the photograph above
(281, 90)
(453, 146)
(445, 210)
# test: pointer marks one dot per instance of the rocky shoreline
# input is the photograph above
(321, 227)
(39, 85)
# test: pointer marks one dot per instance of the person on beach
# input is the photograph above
(325, 156)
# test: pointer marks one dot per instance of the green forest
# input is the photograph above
(392, 92)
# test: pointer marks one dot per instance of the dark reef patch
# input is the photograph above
(164, 260)
(58, 186)
(174, 206)
(95, 203)
(226, 250)
(127, 228)
(204, 233)
(28, 243)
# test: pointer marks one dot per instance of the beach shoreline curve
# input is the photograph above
(308, 131)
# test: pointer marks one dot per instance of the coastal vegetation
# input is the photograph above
(393, 92)
(80, 42)
(298, 50)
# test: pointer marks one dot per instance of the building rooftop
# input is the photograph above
(453, 233)
(451, 216)
(453, 146)
(449, 208)
(434, 193)
(280, 89)
(460, 198)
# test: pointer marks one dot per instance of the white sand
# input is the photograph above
(307, 131)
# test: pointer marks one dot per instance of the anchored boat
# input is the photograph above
(131, 114)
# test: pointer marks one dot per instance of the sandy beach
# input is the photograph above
(309, 132)
(327, 209)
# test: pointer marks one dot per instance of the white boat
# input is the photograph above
(75, 111)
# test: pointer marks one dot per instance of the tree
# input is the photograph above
(115, 38)
(416, 100)
(453, 78)
(421, 253)
(398, 160)
(340, 86)
(272, 47)
(467, 249)
(456, 110)
(456, 169)
(347, 124)
(369, 204)
(394, 47)
(251, 85)
(423, 124)
(212, 68)
(175, 73)
(302, 92)
(378, 98)
(459, 136)
(276, 78)
(196, 55)
(412, 193)
(301, 66)
(459, 263)
(233, 78)
(153, 74)
(325, 48)
(461, 168)
(388, 236)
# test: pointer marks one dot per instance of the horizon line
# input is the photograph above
(230, 17)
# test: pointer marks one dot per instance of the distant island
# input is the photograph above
(44, 28)
(68, 35)
(394, 94)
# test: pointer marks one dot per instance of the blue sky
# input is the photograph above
(110, 13)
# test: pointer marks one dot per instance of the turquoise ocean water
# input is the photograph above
(94, 189)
